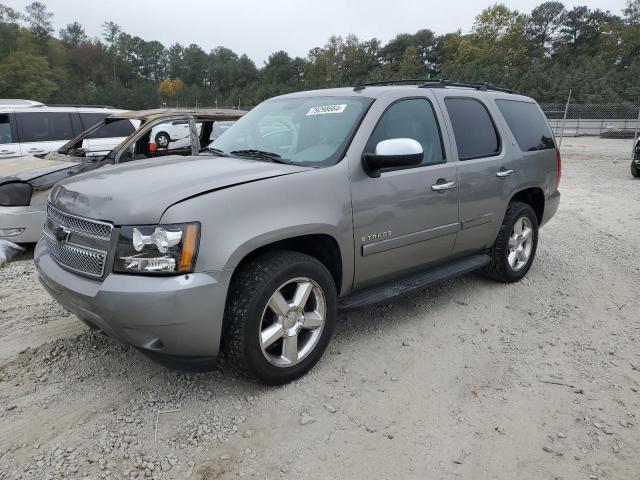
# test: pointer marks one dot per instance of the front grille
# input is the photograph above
(79, 259)
(76, 243)
(80, 225)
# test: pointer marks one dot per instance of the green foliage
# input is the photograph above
(543, 53)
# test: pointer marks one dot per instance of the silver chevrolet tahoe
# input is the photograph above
(312, 202)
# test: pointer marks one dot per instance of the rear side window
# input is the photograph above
(44, 126)
(116, 128)
(5, 130)
(473, 127)
(527, 124)
(412, 118)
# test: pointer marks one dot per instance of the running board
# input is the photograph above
(382, 293)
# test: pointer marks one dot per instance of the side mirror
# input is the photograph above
(393, 153)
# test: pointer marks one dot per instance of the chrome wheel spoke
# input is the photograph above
(290, 349)
(278, 304)
(512, 258)
(517, 227)
(301, 297)
(526, 234)
(313, 320)
(271, 334)
(513, 241)
(522, 256)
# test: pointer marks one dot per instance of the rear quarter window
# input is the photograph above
(44, 126)
(528, 125)
(117, 128)
(473, 128)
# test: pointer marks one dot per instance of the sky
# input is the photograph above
(261, 27)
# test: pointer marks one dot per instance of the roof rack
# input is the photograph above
(437, 83)
(73, 105)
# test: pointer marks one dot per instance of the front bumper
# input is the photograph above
(176, 315)
(26, 222)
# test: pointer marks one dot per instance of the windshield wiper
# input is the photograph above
(260, 154)
(217, 151)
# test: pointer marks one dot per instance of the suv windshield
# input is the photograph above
(312, 131)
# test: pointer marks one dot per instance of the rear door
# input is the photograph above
(42, 132)
(485, 170)
(401, 222)
(9, 145)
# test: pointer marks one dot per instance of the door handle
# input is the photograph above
(505, 173)
(443, 186)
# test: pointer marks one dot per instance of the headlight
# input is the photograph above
(15, 194)
(162, 249)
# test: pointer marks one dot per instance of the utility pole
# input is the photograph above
(564, 119)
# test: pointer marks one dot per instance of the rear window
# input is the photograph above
(44, 126)
(527, 124)
(475, 133)
(117, 128)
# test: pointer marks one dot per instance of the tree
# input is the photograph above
(169, 89)
(39, 20)
(110, 32)
(632, 12)
(73, 34)
(8, 14)
(410, 66)
(24, 75)
(543, 24)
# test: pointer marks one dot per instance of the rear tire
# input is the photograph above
(635, 171)
(163, 140)
(280, 316)
(514, 250)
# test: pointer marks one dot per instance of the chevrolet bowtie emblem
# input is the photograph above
(61, 234)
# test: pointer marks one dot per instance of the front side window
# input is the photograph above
(412, 118)
(528, 125)
(163, 138)
(473, 128)
(110, 129)
(5, 130)
(311, 131)
(44, 126)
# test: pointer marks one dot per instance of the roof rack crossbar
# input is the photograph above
(437, 83)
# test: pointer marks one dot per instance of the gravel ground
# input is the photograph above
(472, 379)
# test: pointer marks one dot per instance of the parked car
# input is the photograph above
(635, 163)
(31, 128)
(25, 182)
(363, 194)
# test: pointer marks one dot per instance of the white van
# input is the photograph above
(29, 128)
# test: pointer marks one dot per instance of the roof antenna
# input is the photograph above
(359, 86)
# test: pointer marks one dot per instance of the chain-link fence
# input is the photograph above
(612, 120)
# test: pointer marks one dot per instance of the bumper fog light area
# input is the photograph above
(10, 232)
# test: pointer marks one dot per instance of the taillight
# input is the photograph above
(558, 168)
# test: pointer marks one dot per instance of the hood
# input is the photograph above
(140, 192)
(29, 167)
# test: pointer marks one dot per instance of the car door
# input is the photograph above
(485, 167)
(9, 145)
(406, 219)
(42, 132)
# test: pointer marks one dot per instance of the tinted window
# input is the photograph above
(5, 130)
(527, 124)
(44, 126)
(413, 118)
(473, 128)
(116, 128)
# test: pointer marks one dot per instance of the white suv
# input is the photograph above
(29, 128)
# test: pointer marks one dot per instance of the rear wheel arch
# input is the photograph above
(534, 197)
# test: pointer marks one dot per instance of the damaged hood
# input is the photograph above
(140, 192)
(29, 167)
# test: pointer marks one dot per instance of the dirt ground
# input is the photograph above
(469, 380)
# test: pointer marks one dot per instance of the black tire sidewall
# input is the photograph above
(522, 211)
(255, 359)
(634, 171)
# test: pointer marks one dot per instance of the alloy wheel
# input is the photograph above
(520, 243)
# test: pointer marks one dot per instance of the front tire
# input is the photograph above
(280, 316)
(514, 250)
(163, 140)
